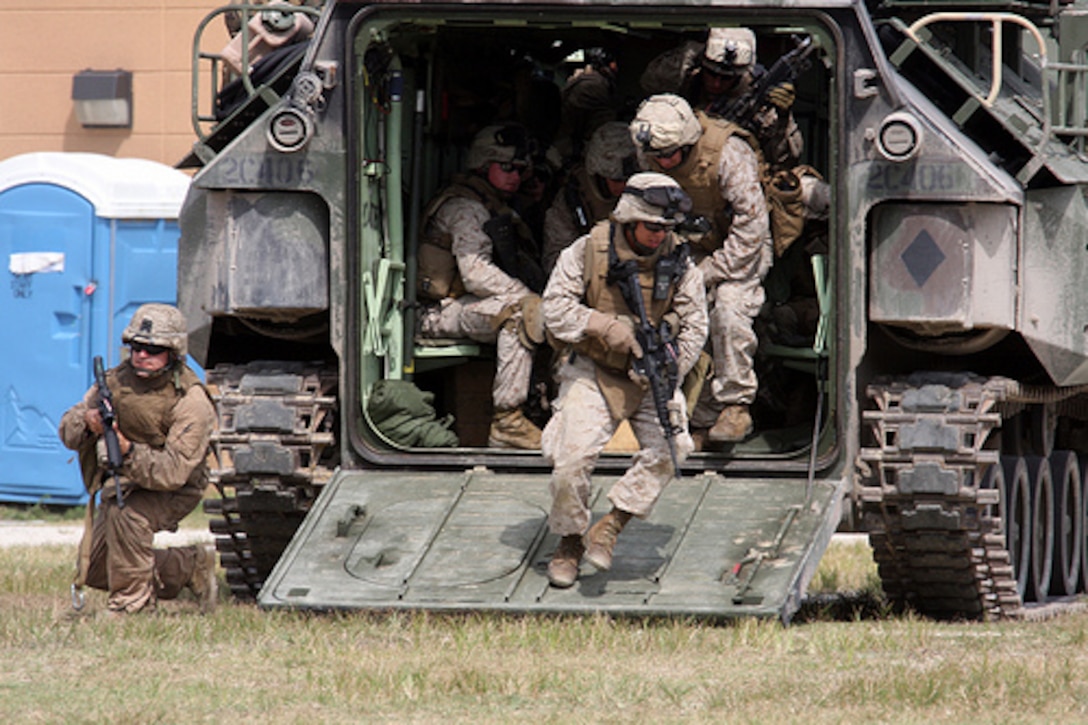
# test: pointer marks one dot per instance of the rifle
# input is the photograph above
(114, 459)
(509, 255)
(658, 363)
(742, 111)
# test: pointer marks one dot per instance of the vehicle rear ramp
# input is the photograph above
(714, 547)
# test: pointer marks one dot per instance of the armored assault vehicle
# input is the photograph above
(936, 401)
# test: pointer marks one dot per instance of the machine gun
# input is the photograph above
(742, 111)
(658, 364)
(114, 459)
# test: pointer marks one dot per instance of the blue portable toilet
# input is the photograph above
(87, 239)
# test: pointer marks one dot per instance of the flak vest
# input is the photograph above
(143, 413)
(596, 206)
(621, 393)
(438, 275)
(698, 176)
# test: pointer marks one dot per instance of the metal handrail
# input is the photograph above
(996, 20)
(246, 12)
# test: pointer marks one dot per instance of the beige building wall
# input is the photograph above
(46, 42)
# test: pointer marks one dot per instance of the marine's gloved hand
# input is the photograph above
(638, 379)
(782, 96)
(616, 335)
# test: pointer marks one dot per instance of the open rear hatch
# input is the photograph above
(713, 547)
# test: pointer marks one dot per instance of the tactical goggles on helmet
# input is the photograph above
(671, 199)
(644, 138)
(727, 64)
(147, 349)
(519, 138)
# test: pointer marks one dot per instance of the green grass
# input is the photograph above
(41, 512)
(69, 514)
(242, 664)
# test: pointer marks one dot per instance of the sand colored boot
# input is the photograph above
(563, 568)
(733, 424)
(601, 538)
(203, 583)
(511, 429)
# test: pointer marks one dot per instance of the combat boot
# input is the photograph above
(203, 583)
(511, 429)
(733, 424)
(601, 538)
(563, 568)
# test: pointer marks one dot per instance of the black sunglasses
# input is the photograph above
(509, 166)
(148, 349)
(670, 198)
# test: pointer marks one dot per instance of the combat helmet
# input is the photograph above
(158, 324)
(664, 123)
(610, 153)
(652, 197)
(505, 143)
(729, 51)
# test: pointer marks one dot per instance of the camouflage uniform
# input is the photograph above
(609, 155)
(733, 275)
(168, 419)
(718, 178)
(677, 71)
(485, 301)
(584, 418)
(489, 291)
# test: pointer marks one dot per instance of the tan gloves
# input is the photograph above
(782, 96)
(617, 335)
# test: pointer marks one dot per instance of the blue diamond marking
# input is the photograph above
(922, 257)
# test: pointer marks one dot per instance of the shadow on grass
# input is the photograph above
(845, 607)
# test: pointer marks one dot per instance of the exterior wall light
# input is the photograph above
(103, 98)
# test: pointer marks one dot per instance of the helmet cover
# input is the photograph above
(158, 324)
(504, 143)
(729, 51)
(664, 123)
(610, 153)
(652, 197)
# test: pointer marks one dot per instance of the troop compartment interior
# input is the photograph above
(424, 81)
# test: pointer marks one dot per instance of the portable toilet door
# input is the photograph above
(88, 238)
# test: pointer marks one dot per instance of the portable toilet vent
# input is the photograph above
(87, 239)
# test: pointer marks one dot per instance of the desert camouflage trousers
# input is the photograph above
(580, 427)
(123, 561)
(471, 317)
(733, 308)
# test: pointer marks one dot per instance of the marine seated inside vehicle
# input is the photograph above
(481, 262)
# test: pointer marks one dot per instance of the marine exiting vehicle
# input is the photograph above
(922, 362)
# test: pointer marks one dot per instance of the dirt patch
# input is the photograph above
(40, 533)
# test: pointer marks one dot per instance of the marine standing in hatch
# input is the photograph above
(715, 163)
(723, 69)
(585, 309)
(164, 421)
